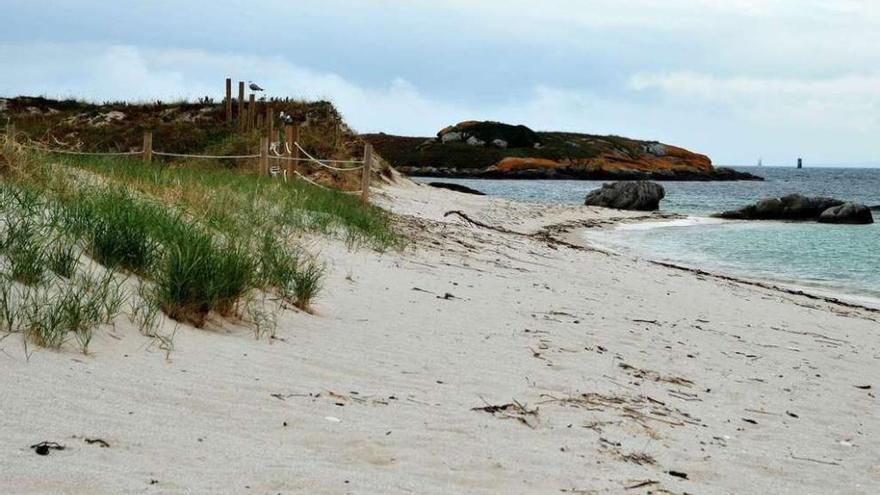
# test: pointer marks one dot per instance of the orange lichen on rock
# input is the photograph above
(688, 158)
(511, 164)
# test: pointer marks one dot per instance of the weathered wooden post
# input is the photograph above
(264, 156)
(228, 101)
(252, 112)
(270, 122)
(241, 116)
(148, 147)
(365, 177)
(288, 140)
(288, 149)
(294, 142)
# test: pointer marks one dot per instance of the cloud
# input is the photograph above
(846, 102)
(734, 119)
(118, 72)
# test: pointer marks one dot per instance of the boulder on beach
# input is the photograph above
(803, 208)
(850, 213)
(456, 187)
(633, 195)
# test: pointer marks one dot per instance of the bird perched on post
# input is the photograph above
(254, 86)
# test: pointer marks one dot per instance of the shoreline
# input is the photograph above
(722, 174)
(793, 285)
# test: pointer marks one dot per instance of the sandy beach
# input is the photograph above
(496, 354)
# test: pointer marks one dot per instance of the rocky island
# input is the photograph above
(501, 151)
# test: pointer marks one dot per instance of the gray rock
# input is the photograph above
(849, 213)
(638, 195)
(791, 207)
(656, 149)
(499, 143)
(451, 137)
(475, 141)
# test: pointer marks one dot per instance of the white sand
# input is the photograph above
(526, 321)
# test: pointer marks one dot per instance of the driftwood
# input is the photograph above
(513, 410)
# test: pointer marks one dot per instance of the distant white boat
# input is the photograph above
(760, 162)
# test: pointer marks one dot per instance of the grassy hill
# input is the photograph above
(495, 150)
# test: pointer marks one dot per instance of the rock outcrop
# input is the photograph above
(639, 195)
(495, 150)
(456, 187)
(849, 213)
(490, 134)
(802, 208)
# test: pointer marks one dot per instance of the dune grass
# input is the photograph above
(201, 240)
(49, 316)
(63, 258)
(236, 200)
(201, 274)
(119, 231)
(294, 275)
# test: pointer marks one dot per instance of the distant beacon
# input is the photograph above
(800, 163)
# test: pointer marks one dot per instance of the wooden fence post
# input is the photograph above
(264, 156)
(270, 123)
(241, 116)
(365, 177)
(294, 145)
(290, 133)
(228, 101)
(252, 112)
(148, 147)
(288, 140)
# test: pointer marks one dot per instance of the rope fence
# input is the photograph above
(310, 181)
(292, 156)
(85, 153)
(208, 157)
(322, 163)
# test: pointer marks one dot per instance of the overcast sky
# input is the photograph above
(735, 79)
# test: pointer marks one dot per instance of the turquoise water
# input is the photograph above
(841, 260)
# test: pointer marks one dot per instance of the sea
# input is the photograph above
(833, 260)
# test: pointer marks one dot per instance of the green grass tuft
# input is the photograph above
(120, 232)
(200, 275)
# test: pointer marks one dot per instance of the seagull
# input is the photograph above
(254, 87)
